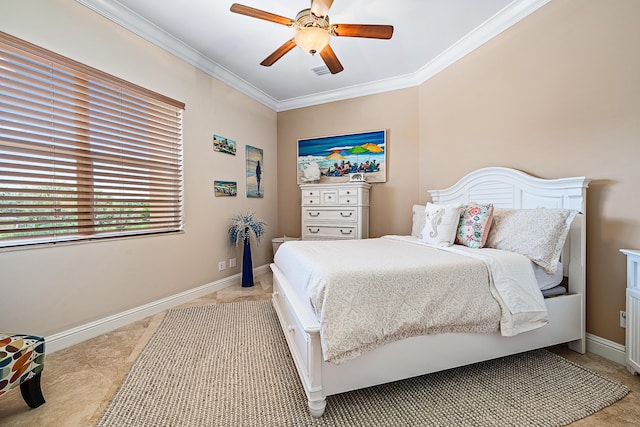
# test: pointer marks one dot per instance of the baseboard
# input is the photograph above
(93, 329)
(605, 348)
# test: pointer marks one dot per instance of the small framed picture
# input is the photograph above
(225, 188)
(224, 145)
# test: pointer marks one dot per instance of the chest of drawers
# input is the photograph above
(335, 211)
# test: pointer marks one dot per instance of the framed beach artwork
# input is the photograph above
(225, 188)
(338, 157)
(255, 165)
(224, 145)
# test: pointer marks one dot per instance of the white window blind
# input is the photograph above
(83, 154)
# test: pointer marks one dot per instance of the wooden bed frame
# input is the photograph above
(505, 188)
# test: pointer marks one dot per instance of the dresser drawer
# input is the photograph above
(329, 197)
(348, 199)
(294, 330)
(311, 200)
(311, 193)
(342, 215)
(328, 232)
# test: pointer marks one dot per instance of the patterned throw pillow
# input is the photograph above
(441, 224)
(475, 221)
(539, 234)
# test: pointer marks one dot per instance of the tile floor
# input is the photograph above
(78, 382)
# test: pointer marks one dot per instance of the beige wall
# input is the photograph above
(556, 95)
(396, 112)
(49, 290)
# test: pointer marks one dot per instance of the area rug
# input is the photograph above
(228, 365)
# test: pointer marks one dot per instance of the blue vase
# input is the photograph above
(247, 265)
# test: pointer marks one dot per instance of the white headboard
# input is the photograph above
(510, 188)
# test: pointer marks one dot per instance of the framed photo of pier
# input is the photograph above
(334, 158)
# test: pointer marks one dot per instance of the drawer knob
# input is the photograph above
(314, 232)
(346, 215)
(314, 214)
(346, 232)
(348, 201)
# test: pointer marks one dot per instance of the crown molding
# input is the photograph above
(501, 21)
(508, 16)
(349, 92)
(137, 24)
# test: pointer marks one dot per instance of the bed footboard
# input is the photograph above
(303, 338)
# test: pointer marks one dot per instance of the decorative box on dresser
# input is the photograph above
(335, 211)
(633, 310)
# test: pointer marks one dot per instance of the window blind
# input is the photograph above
(83, 154)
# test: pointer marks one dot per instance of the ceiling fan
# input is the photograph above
(313, 31)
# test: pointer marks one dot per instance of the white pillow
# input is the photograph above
(441, 224)
(417, 223)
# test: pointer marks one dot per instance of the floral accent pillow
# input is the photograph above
(539, 234)
(475, 221)
(441, 224)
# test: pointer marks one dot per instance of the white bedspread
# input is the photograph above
(366, 293)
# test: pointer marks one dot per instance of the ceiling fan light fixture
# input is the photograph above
(312, 39)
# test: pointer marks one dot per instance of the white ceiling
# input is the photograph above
(428, 36)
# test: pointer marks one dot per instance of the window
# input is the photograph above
(83, 154)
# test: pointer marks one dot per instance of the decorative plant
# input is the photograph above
(242, 226)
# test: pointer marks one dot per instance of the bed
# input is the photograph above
(404, 357)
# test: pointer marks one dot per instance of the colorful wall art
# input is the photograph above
(341, 155)
(225, 188)
(224, 145)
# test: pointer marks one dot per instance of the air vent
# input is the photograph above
(321, 71)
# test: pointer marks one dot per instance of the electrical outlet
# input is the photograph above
(623, 319)
(232, 262)
(222, 265)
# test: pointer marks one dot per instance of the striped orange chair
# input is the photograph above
(21, 363)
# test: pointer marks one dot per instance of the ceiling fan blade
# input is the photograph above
(260, 14)
(278, 53)
(331, 60)
(363, 30)
(320, 8)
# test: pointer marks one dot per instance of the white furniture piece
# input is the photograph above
(632, 343)
(506, 188)
(335, 211)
